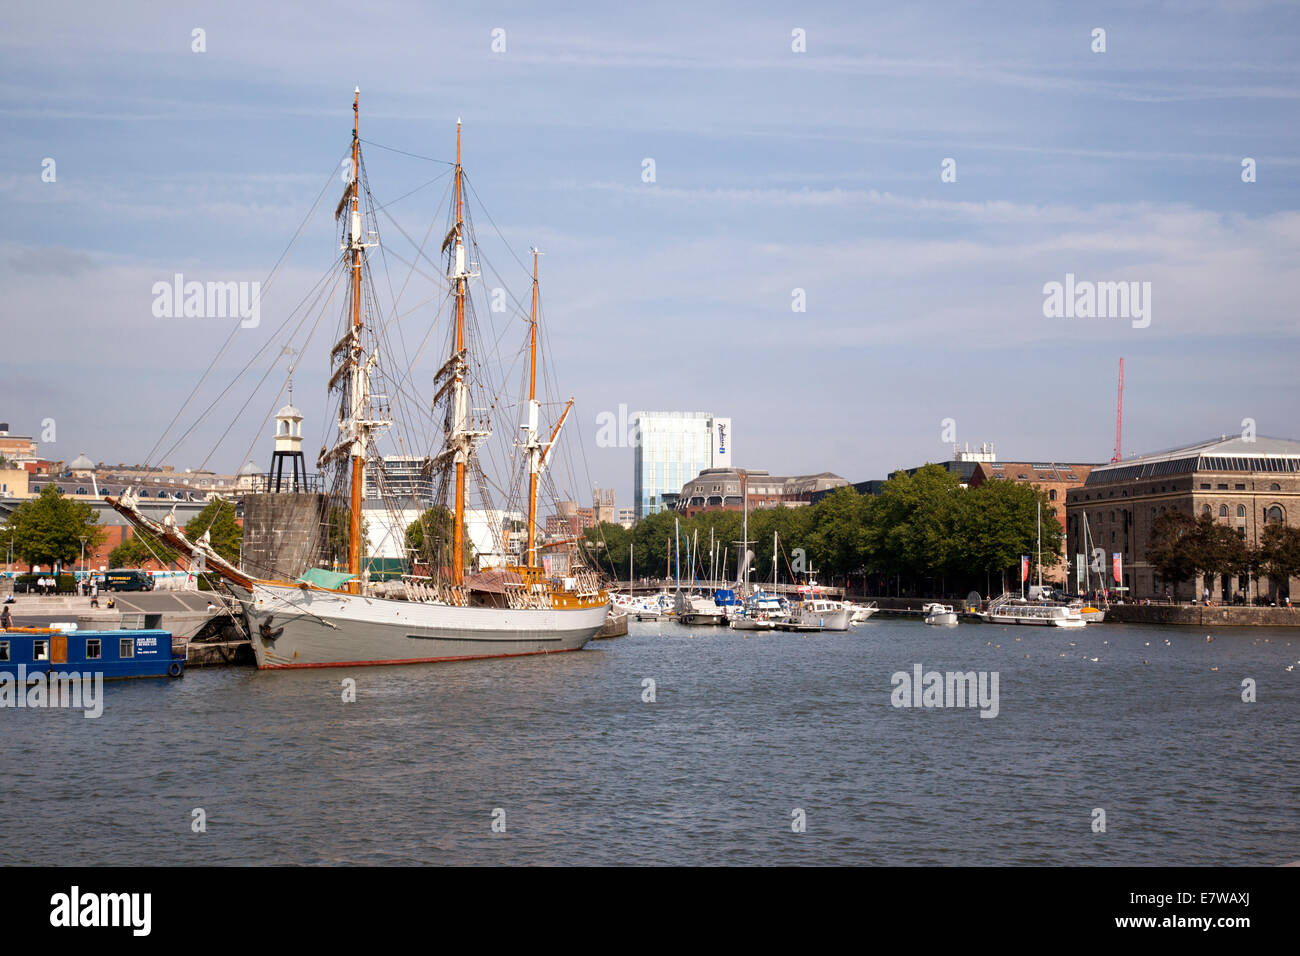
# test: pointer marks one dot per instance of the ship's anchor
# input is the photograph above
(268, 633)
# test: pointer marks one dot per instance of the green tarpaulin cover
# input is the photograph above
(326, 579)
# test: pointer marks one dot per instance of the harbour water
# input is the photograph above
(745, 730)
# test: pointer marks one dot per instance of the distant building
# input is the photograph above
(14, 482)
(602, 506)
(725, 489)
(15, 448)
(491, 532)
(81, 467)
(671, 449)
(1244, 484)
(963, 464)
(569, 520)
(401, 476)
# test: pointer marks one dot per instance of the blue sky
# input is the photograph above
(775, 170)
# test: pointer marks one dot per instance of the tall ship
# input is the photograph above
(439, 610)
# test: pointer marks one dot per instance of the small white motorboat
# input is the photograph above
(861, 612)
(939, 614)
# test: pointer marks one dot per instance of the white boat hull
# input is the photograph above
(942, 619)
(836, 619)
(1034, 621)
(303, 627)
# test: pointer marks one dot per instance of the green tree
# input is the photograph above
(1279, 552)
(429, 537)
(1175, 547)
(1219, 549)
(999, 522)
(139, 548)
(49, 528)
(794, 526)
(837, 535)
(653, 538)
(606, 546)
(912, 523)
(217, 519)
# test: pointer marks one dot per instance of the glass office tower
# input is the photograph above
(672, 448)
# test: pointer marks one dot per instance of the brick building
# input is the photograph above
(1243, 483)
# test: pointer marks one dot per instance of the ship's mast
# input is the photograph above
(461, 438)
(352, 373)
(458, 527)
(532, 445)
(358, 435)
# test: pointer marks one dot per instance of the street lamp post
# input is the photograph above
(83, 558)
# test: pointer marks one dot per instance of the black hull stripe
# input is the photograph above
(487, 640)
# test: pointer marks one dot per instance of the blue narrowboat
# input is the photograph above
(115, 654)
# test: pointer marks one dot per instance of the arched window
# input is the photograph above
(81, 491)
(1223, 511)
(1205, 509)
(1275, 487)
(1275, 515)
(1241, 511)
(1051, 495)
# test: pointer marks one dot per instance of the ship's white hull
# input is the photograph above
(302, 627)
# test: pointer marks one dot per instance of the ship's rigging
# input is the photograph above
(382, 402)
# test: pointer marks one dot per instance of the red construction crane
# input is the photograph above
(1119, 414)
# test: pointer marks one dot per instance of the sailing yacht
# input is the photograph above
(329, 618)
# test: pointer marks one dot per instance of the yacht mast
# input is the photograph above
(1038, 554)
(677, 537)
(744, 547)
